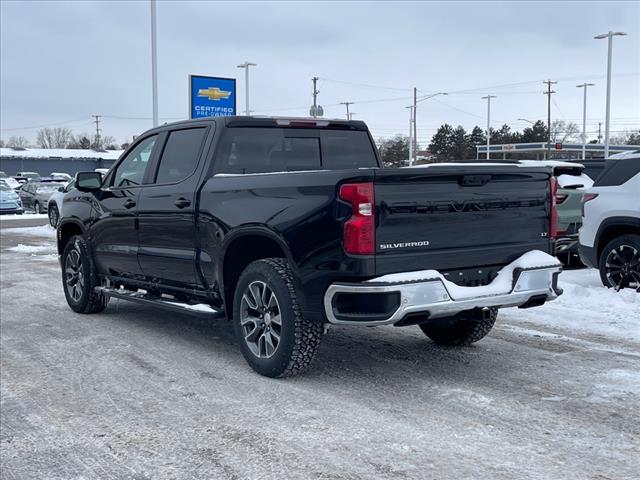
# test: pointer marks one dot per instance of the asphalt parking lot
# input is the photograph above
(551, 393)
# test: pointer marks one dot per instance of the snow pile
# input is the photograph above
(33, 249)
(45, 231)
(502, 284)
(582, 180)
(587, 307)
(25, 216)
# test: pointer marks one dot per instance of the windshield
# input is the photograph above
(5, 188)
(50, 187)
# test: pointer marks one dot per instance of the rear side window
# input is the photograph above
(264, 150)
(618, 172)
(180, 155)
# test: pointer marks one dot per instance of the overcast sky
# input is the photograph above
(64, 61)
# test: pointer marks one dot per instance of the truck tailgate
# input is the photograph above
(453, 217)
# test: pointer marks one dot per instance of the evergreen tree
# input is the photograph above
(394, 151)
(442, 142)
(535, 133)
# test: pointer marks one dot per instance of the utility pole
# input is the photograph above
(488, 98)
(415, 128)
(548, 93)
(346, 104)
(584, 118)
(609, 36)
(97, 122)
(315, 97)
(154, 64)
(410, 107)
(246, 66)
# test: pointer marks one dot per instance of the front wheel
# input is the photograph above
(275, 339)
(54, 216)
(79, 279)
(467, 328)
(620, 263)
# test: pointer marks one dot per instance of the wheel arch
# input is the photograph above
(242, 247)
(614, 227)
(65, 231)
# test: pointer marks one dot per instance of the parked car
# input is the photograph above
(35, 195)
(571, 182)
(24, 177)
(54, 209)
(610, 233)
(9, 200)
(12, 182)
(286, 226)
(60, 176)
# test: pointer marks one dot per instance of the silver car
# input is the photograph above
(9, 200)
(35, 195)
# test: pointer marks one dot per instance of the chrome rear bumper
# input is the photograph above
(436, 297)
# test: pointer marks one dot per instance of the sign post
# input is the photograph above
(211, 96)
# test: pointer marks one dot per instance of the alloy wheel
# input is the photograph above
(623, 267)
(260, 319)
(74, 278)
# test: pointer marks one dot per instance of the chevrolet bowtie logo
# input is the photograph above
(213, 93)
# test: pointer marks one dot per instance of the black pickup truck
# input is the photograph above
(285, 226)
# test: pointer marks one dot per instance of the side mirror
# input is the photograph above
(88, 181)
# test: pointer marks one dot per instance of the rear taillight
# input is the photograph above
(553, 219)
(359, 230)
(586, 198)
(561, 197)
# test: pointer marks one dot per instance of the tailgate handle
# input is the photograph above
(473, 180)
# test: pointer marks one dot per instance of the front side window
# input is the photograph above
(131, 170)
(180, 155)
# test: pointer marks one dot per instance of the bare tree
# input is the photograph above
(562, 131)
(18, 142)
(628, 137)
(54, 137)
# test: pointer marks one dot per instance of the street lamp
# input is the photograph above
(488, 99)
(246, 66)
(415, 128)
(154, 64)
(411, 120)
(608, 36)
(528, 121)
(584, 118)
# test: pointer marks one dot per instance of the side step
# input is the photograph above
(166, 303)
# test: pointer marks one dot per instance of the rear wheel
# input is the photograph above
(275, 339)
(54, 216)
(37, 208)
(79, 279)
(620, 263)
(467, 328)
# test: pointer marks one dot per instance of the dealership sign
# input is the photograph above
(211, 96)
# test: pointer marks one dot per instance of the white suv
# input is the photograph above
(610, 233)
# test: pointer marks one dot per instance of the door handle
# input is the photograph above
(182, 203)
(129, 204)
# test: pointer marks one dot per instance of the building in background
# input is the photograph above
(47, 160)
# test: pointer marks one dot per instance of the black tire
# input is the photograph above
(464, 331)
(78, 273)
(619, 263)
(54, 215)
(298, 338)
(36, 207)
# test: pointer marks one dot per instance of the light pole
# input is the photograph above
(488, 98)
(154, 64)
(246, 66)
(528, 121)
(608, 36)
(584, 118)
(415, 110)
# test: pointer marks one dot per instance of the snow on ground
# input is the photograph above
(587, 306)
(45, 231)
(33, 249)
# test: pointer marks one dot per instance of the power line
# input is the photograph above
(548, 93)
(42, 126)
(97, 122)
(366, 85)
